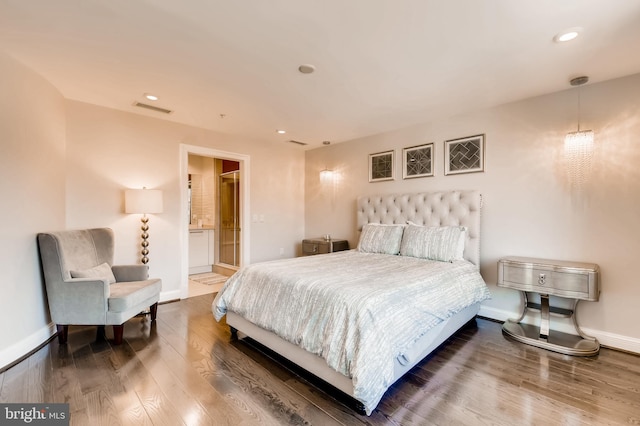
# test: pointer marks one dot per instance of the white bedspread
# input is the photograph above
(358, 311)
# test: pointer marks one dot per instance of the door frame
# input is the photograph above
(245, 221)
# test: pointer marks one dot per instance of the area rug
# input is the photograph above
(209, 278)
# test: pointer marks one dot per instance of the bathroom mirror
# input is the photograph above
(195, 198)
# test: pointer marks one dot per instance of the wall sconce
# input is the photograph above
(578, 148)
(327, 177)
(143, 201)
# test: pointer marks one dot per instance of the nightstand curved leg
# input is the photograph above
(524, 307)
(574, 317)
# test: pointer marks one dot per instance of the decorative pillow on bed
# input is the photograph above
(443, 243)
(102, 271)
(378, 238)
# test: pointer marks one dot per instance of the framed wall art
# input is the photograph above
(464, 155)
(381, 166)
(417, 161)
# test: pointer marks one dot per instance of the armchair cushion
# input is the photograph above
(101, 271)
(124, 273)
(82, 249)
(125, 295)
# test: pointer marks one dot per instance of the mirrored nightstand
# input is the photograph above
(571, 280)
(322, 246)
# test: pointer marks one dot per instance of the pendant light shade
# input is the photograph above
(578, 148)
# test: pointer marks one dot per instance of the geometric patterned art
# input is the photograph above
(465, 155)
(381, 166)
(418, 161)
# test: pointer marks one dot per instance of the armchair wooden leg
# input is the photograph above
(153, 310)
(117, 334)
(63, 333)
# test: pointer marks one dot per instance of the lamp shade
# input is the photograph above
(143, 201)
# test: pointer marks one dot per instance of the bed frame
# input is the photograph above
(450, 208)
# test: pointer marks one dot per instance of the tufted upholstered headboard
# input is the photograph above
(446, 208)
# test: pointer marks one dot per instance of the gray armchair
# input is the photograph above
(85, 288)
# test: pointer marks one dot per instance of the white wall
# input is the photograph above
(529, 208)
(32, 165)
(110, 150)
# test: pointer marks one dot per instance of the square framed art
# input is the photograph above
(417, 161)
(381, 166)
(464, 155)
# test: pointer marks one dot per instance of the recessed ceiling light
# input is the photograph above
(151, 97)
(306, 68)
(567, 35)
(282, 132)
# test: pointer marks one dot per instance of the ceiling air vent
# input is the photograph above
(297, 142)
(152, 108)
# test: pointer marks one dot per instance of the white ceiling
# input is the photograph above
(380, 64)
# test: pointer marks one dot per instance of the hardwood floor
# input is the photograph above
(184, 369)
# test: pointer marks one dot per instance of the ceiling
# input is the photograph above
(232, 66)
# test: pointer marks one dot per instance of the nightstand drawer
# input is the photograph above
(566, 279)
(545, 281)
(314, 247)
(321, 246)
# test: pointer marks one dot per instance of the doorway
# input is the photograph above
(224, 216)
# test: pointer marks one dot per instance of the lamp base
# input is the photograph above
(145, 237)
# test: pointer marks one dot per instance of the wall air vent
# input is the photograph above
(297, 142)
(152, 108)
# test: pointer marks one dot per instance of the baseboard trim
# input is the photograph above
(25, 347)
(169, 296)
(200, 269)
(610, 340)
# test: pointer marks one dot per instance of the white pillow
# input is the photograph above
(443, 243)
(102, 271)
(378, 238)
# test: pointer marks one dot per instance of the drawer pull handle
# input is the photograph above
(542, 278)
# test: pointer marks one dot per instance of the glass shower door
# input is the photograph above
(229, 240)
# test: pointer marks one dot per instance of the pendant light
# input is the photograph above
(578, 148)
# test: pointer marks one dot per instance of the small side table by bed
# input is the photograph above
(572, 280)
(321, 246)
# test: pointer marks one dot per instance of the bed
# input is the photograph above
(360, 319)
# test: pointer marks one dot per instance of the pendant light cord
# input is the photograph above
(579, 90)
(579, 81)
